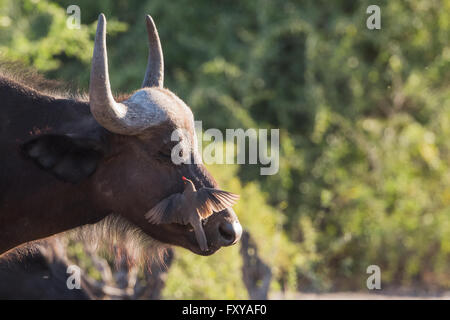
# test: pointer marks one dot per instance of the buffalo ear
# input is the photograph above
(68, 158)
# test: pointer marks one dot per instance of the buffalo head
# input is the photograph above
(137, 171)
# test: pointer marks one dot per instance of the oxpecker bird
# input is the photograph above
(190, 207)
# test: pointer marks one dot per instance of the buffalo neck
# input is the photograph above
(33, 203)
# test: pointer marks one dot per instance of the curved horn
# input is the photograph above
(106, 111)
(142, 110)
(154, 75)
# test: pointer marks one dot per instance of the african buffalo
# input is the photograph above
(67, 162)
(39, 271)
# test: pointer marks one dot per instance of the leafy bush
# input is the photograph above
(364, 118)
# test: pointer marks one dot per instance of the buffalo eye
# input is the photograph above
(165, 154)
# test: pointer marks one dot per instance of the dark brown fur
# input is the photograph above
(38, 271)
(81, 174)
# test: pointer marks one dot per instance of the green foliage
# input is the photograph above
(364, 118)
(35, 33)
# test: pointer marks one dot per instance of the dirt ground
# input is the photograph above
(359, 296)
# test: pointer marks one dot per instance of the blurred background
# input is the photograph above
(364, 119)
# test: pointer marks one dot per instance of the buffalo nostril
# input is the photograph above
(226, 231)
(230, 232)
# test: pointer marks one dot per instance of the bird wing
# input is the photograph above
(211, 200)
(167, 210)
